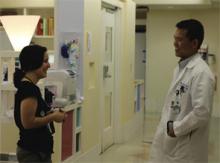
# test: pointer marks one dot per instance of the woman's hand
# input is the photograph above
(58, 116)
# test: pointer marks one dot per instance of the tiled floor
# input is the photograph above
(131, 152)
(137, 151)
(134, 151)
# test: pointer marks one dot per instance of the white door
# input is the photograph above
(108, 78)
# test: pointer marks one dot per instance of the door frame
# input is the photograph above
(118, 50)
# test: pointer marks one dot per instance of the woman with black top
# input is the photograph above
(32, 115)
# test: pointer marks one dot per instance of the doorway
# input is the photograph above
(140, 62)
(108, 77)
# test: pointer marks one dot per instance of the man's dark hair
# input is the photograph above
(194, 29)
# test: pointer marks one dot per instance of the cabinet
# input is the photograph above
(71, 133)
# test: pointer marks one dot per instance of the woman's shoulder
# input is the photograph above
(29, 88)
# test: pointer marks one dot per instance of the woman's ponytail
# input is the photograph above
(18, 75)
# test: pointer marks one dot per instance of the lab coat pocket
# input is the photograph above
(183, 146)
(169, 144)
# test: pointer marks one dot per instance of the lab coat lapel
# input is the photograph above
(177, 78)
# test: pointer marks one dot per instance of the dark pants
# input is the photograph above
(25, 156)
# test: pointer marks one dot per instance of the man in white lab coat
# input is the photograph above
(182, 134)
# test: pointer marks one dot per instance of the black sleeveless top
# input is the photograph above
(35, 139)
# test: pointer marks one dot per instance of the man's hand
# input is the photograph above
(170, 130)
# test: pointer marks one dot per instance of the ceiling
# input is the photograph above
(141, 9)
(177, 4)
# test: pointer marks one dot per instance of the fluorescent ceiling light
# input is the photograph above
(20, 29)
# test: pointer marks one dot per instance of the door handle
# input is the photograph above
(106, 72)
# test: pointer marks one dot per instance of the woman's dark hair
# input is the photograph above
(30, 58)
(194, 29)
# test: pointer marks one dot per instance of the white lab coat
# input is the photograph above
(191, 122)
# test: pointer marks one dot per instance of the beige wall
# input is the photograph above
(91, 110)
(90, 114)
(127, 64)
(161, 58)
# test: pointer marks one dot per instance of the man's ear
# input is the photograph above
(195, 44)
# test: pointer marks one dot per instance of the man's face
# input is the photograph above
(184, 47)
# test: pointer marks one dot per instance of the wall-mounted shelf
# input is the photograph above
(6, 86)
(78, 129)
(8, 54)
(43, 37)
(9, 86)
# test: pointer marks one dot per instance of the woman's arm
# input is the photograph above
(28, 118)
